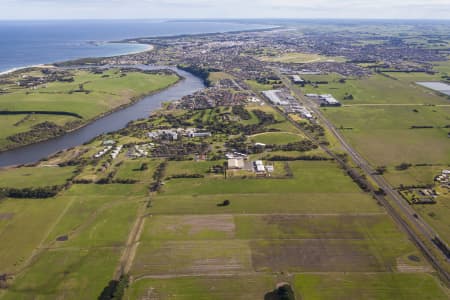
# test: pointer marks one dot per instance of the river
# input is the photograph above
(112, 122)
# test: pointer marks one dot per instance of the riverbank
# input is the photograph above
(114, 121)
(92, 95)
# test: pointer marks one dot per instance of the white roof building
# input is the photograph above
(236, 163)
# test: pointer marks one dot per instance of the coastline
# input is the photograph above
(149, 47)
(133, 100)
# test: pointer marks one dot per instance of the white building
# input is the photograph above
(259, 166)
(297, 79)
(274, 97)
(236, 163)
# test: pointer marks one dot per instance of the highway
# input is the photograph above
(407, 217)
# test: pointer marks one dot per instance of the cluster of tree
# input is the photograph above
(442, 246)
(34, 193)
(177, 121)
(202, 73)
(216, 169)
(315, 129)
(421, 127)
(40, 112)
(108, 179)
(115, 289)
(265, 118)
(359, 179)
(303, 146)
(348, 97)
(283, 292)
(381, 170)
(179, 150)
(158, 175)
(239, 144)
(83, 181)
(38, 132)
(224, 203)
(273, 79)
(125, 181)
(403, 166)
(240, 111)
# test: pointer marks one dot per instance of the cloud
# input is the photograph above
(23, 9)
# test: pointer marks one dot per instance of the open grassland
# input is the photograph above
(413, 176)
(377, 89)
(315, 187)
(204, 288)
(385, 137)
(105, 93)
(132, 170)
(381, 286)
(27, 177)
(297, 57)
(89, 95)
(217, 76)
(14, 124)
(81, 236)
(23, 224)
(69, 274)
(188, 167)
(254, 85)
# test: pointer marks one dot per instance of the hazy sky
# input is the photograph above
(113, 9)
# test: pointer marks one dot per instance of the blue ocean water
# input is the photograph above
(26, 43)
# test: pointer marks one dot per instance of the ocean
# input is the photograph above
(27, 43)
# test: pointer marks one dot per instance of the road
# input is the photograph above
(407, 218)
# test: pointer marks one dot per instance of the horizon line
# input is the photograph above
(231, 19)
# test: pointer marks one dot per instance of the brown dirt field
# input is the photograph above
(316, 255)
(6, 216)
(197, 224)
(187, 257)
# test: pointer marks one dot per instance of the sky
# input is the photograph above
(188, 9)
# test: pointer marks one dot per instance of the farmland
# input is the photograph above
(384, 135)
(84, 232)
(376, 89)
(301, 58)
(78, 97)
(221, 194)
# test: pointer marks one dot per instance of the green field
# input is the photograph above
(297, 57)
(384, 286)
(193, 288)
(100, 94)
(318, 221)
(376, 89)
(384, 135)
(27, 177)
(94, 219)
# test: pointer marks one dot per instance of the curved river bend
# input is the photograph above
(111, 122)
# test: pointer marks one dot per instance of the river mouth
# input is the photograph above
(111, 122)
